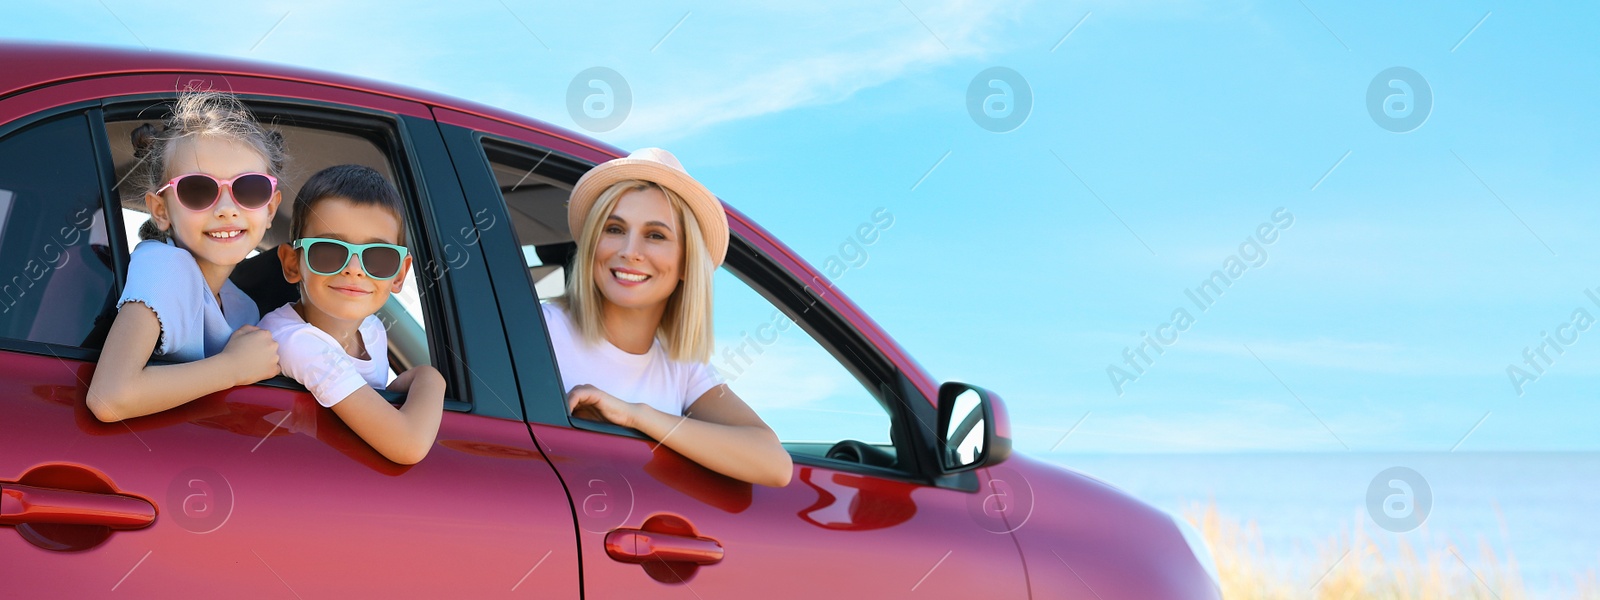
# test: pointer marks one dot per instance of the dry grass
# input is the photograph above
(1351, 566)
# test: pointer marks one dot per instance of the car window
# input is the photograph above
(56, 273)
(816, 404)
(311, 146)
(535, 194)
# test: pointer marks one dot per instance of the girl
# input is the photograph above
(210, 181)
(633, 333)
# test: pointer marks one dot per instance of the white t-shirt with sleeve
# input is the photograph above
(651, 378)
(166, 279)
(312, 357)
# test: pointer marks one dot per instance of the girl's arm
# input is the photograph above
(125, 385)
(406, 435)
(720, 432)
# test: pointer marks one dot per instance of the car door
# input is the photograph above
(255, 491)
(863, 516)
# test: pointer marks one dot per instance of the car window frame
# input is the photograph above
(404, 142)
(387, 132)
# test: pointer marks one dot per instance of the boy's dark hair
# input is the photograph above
(360, 185)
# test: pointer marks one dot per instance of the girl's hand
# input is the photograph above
(253, 354)
(589, 402)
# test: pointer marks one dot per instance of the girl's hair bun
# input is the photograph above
(144, 138)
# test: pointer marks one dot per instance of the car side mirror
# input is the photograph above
(973, 428)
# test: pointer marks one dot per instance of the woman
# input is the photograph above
(633, 333)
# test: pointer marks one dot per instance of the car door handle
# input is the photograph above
(637, 546)
(27, 504)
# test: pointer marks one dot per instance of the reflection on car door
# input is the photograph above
(260, 488)
(829, 533)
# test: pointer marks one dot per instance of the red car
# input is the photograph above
(903, 487)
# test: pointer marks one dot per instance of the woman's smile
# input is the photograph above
(629, 277)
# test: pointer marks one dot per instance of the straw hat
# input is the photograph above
(662, 168)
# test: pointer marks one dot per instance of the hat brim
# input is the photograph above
(705, 205)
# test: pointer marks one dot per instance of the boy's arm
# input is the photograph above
(406, 435)
(125, 385)
(402, 382)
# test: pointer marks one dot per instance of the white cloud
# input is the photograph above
(725, 62)
(872, 44)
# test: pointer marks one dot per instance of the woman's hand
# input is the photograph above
(589, 402)
(720, 432)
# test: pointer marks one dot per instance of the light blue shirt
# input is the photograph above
(167, 280)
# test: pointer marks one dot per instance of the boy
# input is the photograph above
(348, 256)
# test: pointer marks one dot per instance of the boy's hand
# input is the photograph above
(589, 402)
(424, 374)
(402, 382)
(253, 353)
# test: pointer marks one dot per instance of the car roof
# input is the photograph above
(35, 64)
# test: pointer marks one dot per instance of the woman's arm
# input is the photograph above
(720, 432)
(406, 435)
(125, 385)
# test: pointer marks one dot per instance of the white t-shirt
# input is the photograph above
(651, 378)
(165, 278)
(312, 357)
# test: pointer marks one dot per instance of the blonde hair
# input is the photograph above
(685, 328)
(198, 114)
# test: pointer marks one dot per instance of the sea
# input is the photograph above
(1532, 516)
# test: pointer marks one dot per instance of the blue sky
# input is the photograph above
(1417, 268)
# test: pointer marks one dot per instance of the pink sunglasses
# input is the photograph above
(200, 192)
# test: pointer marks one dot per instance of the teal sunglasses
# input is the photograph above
(328, 257)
